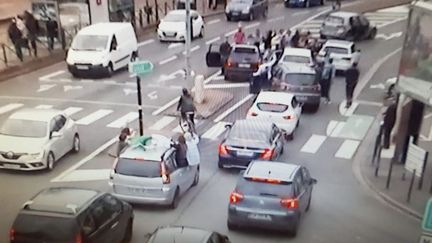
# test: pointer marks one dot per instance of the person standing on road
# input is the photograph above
(258, 39)
(186, 106)
(24, 32)
(33, 30)
(388, 123)
(327, 75)
(224, 50)
(351, 79)
(52, 32)
(295, 38)
(181, 152)
(15, 36)
(239, 36)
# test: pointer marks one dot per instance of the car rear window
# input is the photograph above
(250, 187)
(238, 133)
(296, 59)
(272, 107)
(46, 228)
(334, 20)
(300, 79)
(338, 50)
(245, 50)
(139, 168)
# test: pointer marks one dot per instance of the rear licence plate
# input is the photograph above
(136, 190)
(11, 166)
(264, 217)
(82, 67)
(243, 65)
(245, 153)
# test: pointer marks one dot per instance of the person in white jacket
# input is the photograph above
(192, 154)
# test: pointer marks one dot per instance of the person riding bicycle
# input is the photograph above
(186, 107)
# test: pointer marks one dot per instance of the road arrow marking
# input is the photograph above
(377, 86)
(390, 36)
(66, 88)
(45, 87)
(130, 91)
(153, 95)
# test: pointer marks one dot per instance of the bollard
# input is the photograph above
(199, 89)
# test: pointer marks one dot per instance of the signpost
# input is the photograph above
(415, 163)
(140, 68)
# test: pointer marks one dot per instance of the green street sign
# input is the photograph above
(140, 67)
(427, 217)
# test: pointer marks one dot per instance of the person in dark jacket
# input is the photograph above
(389, 122)
(33, 30)
(15, 36)
(181, 152)
(295, 39)
(268, 39)
(224, 50)
(186, 106)
(52, 32)
(351, 79)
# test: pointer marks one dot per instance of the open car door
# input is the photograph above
(213, 57)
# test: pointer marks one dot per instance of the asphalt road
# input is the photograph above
(326, 142)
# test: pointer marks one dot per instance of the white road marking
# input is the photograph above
(212, 77)
(388, 153)
(428, 116)
(211, 41)
(347, 149)
(167, 60)
(214, 21)
(10, 107)
(389, 36)
(133, 75)
(146, 42)
(93, 117)
(163, 122)
(86, 175)
(347, 112)
(331, 127)
(128, 91)
(72, 110)
(45, 87)
(44, 107)
(301, 13)
(371, 103)
(48, 76)
(228, 85)
(337, 130)
(215, 131)
(126, 119)
(110, 82)
(67, 88)
(195, 48)
(166, 106)
(397, 9)
(220, 77)
(377, 86)
(313, 144)
(250, 26)
(391, 22)
(233, 108)
(84, 160)
(174, 45)
(152, 95)
(232, 32)
(275, 19)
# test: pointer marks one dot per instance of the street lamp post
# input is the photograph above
(140, 114)
(188, 39)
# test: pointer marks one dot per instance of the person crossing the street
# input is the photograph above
(224, 50)
(239, 36)
(327, 75)
(351, 79)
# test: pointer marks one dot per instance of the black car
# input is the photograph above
(178, 234)
(250, 139)
(347, 26)
(71, 215)
(246, 9)
(299, 80)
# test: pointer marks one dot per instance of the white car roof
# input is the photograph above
(159, 144)
(274, 97)
(103, 28)
(33, 114)
(339, 43)
(271, 170)
(297, 52)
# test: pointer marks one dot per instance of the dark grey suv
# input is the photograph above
(71, 215)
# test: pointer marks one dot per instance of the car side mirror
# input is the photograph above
(55, 134)
(313, 181)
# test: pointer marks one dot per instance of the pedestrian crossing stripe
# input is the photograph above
(10, 107)
(92, 117)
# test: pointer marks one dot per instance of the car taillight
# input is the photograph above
(289, 117)
(236, 197)
(79, 238)
(255, 66)
(253, 114)
(11, 234)
(164, 174)
(267, 154)
(229, 63)
(289, 203)
(223, 149)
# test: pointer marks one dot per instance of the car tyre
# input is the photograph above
(307, 4)
(50, 161)
(76, 144)
(322, 2)
(309, 202)
(293, 232)
(196, 178)
(232, 226)
(110, 70)
(175, 200)
(128, 232)
(228, 18)
(289, 137)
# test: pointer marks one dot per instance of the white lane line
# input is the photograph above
(163, 122)
(67, 80)
(221, 86)
(428, 116)
(252, 25)
(371, 103)
(45, 87)
(233, 108)
(167, 60)
(347, 149)
(124, 120)
(44, 107)
(211, 41)
(331, 127)
(195, 48)
(174, 45)
(10, 107)
(232, 32)
(337, 130)
(311, 18)
(313, 144)
(214, 21)
(212, 77)
(72, 110)
(85, 160)
(48, 76)
(132, 75)
(110, 82)
(146, 42)
(391, 22)
(215, 131)
(275, 19)
(300, 13)
(166, 106)
(152, 95)
(86, 80)
(87, 175)
(93, 117)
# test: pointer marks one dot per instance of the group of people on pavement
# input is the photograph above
(23, 31)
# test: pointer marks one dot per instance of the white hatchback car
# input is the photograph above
(173, 28)
(281, 108)
(344, 53)
(35, 139)
(297, 56)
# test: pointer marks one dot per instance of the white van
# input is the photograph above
(102, 48)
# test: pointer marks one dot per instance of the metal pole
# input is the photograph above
(4, 54)
(140, 115)
(378, 161)
(389, 174)
(420, 185)
(411, 185)
(188, 40)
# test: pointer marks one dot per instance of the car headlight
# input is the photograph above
(340, 30)
(34, 156)
(246, 10)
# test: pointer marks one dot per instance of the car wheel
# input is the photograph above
(110, 70)
(226, 77)
(128, 232)
(133, 57)
(232, 226)
(201, 34)
(220, 165)
(76, 144)
(289, 137)
(196, 179)
(50, 161)
(315, 108)
(175, 200)
(251, 16)
(293, 232)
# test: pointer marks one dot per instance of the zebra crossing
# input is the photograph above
(378, 18)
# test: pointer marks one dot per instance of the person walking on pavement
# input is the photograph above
(239, 36)
(33, 30)
(24, 32)
(187, 108)
(224, 50)
(327, 75)
(52, 32)
(351, 79)
(15, 36)
(388, 123)
(258, 39)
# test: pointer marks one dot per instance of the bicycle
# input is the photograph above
(187, 125)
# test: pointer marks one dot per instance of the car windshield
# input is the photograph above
(334, 20)
(89, 42)
(245, 50)
(242, 1)
(45, 228)
(175, 17)
(139, 168)
(300, 79)
(337, 50)
(296, 59)
(272, 107)
(246, 134)
(24, 128)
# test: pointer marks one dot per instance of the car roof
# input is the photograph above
(180, 234)
(297, 51)
(271, 170)
(103, 28)
(277, 97)
(343, 14)
(296, 68)
(33, 114)
(339, 43)
(63, 200)
(153, 150)
(244, 46)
